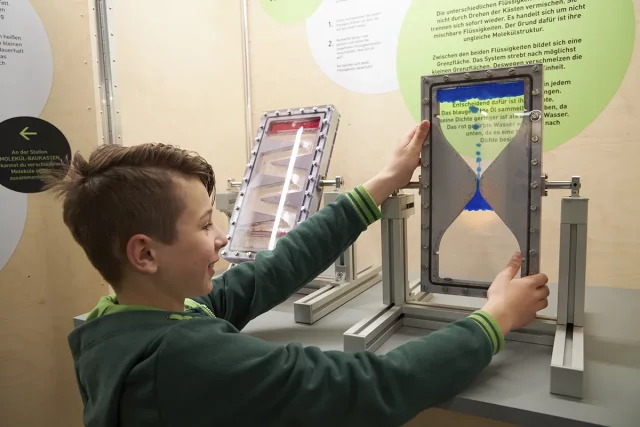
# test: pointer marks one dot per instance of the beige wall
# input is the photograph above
(605, 155)
(48, 280)
(180, 80)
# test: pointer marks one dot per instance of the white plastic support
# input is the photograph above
(567, 359)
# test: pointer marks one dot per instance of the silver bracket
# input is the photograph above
(338, 284)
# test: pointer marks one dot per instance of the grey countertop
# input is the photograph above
(515, 387)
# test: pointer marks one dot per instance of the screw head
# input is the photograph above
(533, 252)
(446, 78)
(534, 185)
(534, 162)
(315, 109)
(535, 92)
(489, 73)
(536, 68)
(535, 138)
(533, 208)
(425, 101)
(289, 112)
(467, 76)
(512, 71)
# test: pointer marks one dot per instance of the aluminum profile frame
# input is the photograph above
(313, 190)
(497, 182)
(109, 112)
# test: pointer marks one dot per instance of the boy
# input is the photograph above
(166, 349)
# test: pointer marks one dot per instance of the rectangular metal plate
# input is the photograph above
(280, 187)
(490, 107)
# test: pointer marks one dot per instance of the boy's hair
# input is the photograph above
(123, 191)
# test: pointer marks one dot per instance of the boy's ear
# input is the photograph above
(141, 254)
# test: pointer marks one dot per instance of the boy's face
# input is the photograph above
(186, 266)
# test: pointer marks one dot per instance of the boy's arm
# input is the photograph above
(252, 288)
(236, 379)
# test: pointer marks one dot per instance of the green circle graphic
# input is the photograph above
(585, 45)
(290, 11)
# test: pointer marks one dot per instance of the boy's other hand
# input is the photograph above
(404, 161)
(514, 303)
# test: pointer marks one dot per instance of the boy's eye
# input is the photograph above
(208, 226)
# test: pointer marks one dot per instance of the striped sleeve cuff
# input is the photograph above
(490, 328)
(364, 205)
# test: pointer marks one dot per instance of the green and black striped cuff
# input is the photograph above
(491, 329)
(364, 205)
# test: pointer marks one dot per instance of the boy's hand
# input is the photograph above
(514, 303)
(404, 161)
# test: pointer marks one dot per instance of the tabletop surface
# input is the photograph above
(515, 386)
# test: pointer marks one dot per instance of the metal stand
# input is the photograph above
(338, 285)
(567, 360)
(407, 305)
(325, 294)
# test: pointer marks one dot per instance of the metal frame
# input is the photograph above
(454, 183)
(313, 192)
(109, 113)
(408, 305)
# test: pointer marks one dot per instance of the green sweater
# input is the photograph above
(139, 366)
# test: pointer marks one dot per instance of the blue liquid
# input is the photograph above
(477, 202)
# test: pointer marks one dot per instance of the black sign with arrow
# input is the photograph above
(27, 146)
